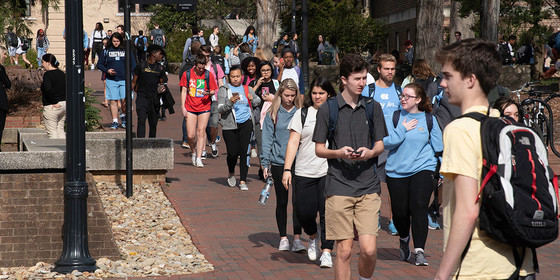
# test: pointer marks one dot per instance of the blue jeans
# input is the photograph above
(40, 53)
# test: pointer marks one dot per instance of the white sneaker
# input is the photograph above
(284, 245)
(204, 154)
(92, 67)
(243, 187)
(326, 260)
(199, 163)
(231, 181)
(297, 246)
(253, 153)
(312, 249)
(193, 158)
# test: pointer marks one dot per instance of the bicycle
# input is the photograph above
(537, 114)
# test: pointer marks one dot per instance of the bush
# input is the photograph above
(92, 113)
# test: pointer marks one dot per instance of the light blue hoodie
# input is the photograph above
(411, 151)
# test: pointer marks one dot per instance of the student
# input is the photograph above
(411, 164)
(265, 87)
(157, 36)
(42, 45)
(235, 103)
(196, 102)
(96, 42)
(218, 74)
(141, 44)
(250, 37)
(148, 80)
(310, 171)
(387, 93)
(54, 97)
(214, 39)
(112, 63)
(352, 185)
(288, 70)
(471, 68)
(508, 107)
(275, 137)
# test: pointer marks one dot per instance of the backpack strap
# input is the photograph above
(396, 115)
(371, 88)
(246, 89)
(399, 89)
(244, 79)
(207, 78)
(333, 118)
(369, 106)
(303, 115)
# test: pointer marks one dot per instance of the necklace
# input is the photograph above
(155, 65)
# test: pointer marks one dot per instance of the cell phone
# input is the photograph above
(265, 90)
(235, 94)
(357, 153)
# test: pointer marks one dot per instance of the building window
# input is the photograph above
(27, 8)
(387, 44)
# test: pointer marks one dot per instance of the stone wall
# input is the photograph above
(31, 219)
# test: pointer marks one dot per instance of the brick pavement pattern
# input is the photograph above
(240, 238)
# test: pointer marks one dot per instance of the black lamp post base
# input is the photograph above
(66, 266)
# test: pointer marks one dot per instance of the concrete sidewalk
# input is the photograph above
(240, 238)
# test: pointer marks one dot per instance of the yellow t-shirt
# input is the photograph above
(462, 155)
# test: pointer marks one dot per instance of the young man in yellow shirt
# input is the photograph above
(471, 68)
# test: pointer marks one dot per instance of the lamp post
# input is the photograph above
(75, 251)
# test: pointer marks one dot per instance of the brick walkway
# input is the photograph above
(239, 237)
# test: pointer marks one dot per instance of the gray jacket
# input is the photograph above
(225, 107)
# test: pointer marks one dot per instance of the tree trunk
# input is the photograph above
(457, 23)
(267, 18)
(489, 19)
(429, 31)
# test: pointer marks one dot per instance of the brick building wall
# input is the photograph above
(31, 220)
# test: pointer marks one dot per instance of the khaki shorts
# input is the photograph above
(343, 212)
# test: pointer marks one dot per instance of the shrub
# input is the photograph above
(92, 113)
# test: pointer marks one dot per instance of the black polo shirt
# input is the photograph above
(351, 177)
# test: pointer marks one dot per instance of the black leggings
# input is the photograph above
(410, 197)
(282, 202)
(145, 108)
(237, 141)
(310, 198)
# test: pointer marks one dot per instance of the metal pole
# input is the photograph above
(75, 251)
(293, 16)
(128, 84)
(305, 44)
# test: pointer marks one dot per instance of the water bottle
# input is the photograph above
(266, 190)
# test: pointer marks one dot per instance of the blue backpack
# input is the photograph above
(371, 88)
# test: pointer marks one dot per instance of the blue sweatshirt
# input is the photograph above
(113, 59)
(275, 142)
(411, 151)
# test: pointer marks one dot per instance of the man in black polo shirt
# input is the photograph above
(352, 185)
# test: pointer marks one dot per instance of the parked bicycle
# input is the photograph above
(538, 114)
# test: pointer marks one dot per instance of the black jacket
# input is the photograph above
(5, 84)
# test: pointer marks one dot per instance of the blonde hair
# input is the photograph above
(386, 57)
(277, 102)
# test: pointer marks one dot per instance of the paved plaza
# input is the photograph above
(239, 236)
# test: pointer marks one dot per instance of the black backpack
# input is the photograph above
(519, 190)
(140, 44)
(328, 55)
(25, 44)
(12, 39)
(425, 83)
(333, 117)
(158, 39)
(219, 60)
(187, 64)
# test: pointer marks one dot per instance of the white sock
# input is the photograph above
(406, 238)
(115, 120)
(363, 278)
(416, 250)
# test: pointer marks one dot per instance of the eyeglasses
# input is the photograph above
(266, 70)
(406, 97)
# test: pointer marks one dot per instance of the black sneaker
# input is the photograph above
(214, 150)
(404, 250)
